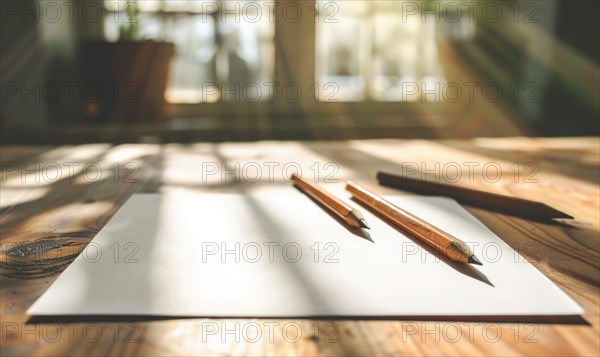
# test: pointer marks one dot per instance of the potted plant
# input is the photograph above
(125, 81)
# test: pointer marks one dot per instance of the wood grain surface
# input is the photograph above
(55, 199)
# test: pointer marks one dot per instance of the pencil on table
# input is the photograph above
(350, 215)
(450, 246)
(506, 204)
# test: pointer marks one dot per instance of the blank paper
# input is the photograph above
(276, 253)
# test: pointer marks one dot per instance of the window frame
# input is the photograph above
(295, 65)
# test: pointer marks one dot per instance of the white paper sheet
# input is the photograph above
(276, 253)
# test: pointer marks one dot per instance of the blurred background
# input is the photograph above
(80, 71)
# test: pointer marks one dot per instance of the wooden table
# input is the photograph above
(46, 220)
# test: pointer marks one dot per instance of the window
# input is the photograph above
(224, 49)
(315, 55)
(370, 50)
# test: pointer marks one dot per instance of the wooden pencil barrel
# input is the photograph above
(338, 207)
(446, 244)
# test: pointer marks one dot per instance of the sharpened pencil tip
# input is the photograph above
(473, 260)
(363, 224)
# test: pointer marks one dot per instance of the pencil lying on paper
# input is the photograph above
(350, 215)
(487, 200)
(443, 242)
